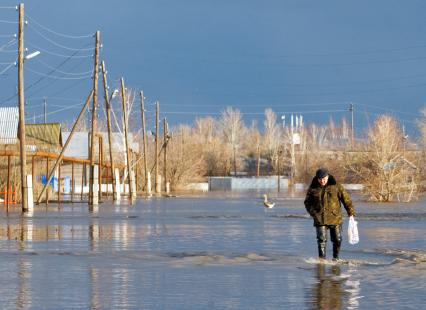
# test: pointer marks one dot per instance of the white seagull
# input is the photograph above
(266, 203)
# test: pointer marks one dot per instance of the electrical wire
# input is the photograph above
(7, 22)
(60, 45)
(40, 79)
(59, 110)
(50, 76)
(56, 54)
(64, 72)
(58, 33)
(7, 68)
(7, 45)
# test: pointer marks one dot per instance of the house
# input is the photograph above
(44, 137)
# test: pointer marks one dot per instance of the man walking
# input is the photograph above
(322, 202)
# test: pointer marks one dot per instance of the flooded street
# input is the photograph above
(213, 251)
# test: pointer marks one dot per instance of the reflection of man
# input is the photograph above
(328, 291)
(322, 202)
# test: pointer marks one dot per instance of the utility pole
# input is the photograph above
(157, 121)
(351, 109)
(165, 133)
(145, 149)
(123, 98)
(108, 114)
(94, 111)
(45, 110)
(22, 142)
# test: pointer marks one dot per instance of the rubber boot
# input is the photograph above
(336, 238)
(322, 241)
(336, 250)
(322, 250)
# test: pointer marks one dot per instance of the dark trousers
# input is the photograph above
(336, 238)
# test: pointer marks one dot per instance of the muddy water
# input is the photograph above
(215, 251)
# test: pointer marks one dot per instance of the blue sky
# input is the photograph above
(197, 56)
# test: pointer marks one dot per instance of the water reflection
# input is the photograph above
(24, 273)
(328, 291)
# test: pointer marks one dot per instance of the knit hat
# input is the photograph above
(321, 173)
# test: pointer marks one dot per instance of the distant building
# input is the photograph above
(9, 119)
(79, 145)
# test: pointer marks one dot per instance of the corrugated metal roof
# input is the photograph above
(9, 119)
(44, 135)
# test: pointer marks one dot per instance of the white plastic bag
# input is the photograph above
(353, 236)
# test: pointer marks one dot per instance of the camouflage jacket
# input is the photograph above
(323, 203)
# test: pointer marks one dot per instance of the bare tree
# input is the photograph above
(232, 127)
(421, 124)
(271, 137)
(381, 166)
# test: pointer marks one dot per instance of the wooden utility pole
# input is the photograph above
(108, 114)
(165, 134)
(94, 108)
(123, 98)
(8, 191)
(258, 161)
(145, 148)
(101, 159)
(157, 121)
(351, 109)
(45, 110)
(22, 142)
(61, 155)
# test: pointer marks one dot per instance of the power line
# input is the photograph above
(7, 22)
(41, 78)
(58, 44)
(50, 76)
(56, 54)
(64, 72)
(7, 68)
(58, 33)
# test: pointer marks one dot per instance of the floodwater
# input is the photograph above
(212, 251)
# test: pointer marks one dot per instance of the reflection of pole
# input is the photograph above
(22, 142)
